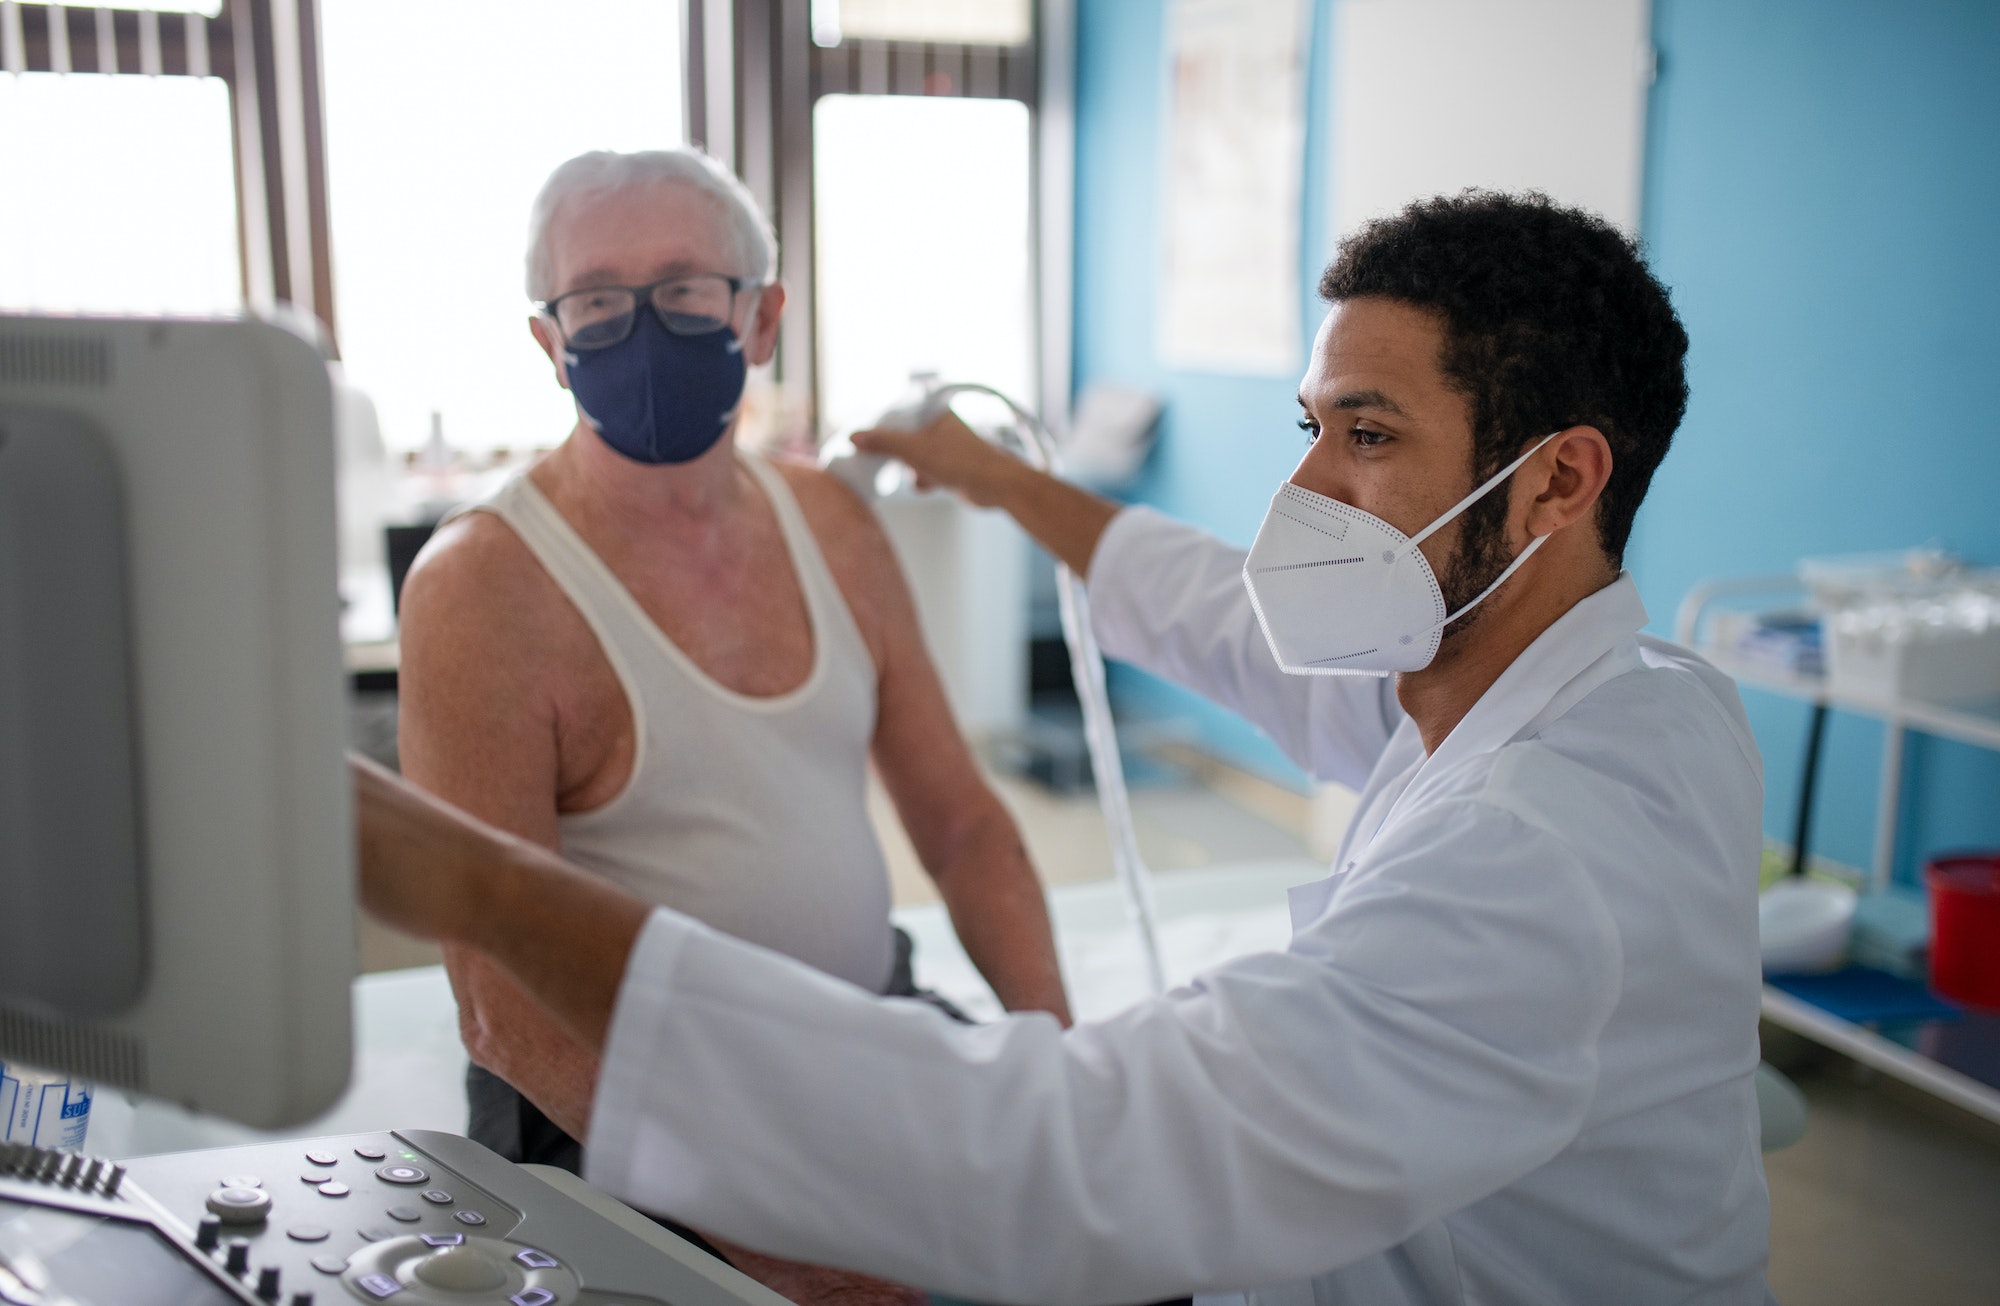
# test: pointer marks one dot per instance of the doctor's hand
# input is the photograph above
(1064, 519)
(947, 454)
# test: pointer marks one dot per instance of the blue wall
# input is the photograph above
(1823, 197)
(1226, 442)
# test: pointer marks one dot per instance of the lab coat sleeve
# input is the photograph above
(1169, 598)
(1428, 1040)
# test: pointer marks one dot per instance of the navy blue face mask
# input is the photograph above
(657, 397)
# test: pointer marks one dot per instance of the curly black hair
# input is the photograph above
(1551, 320)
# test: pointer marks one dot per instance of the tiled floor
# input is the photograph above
(1888, 1199)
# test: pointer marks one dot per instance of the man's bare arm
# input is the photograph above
(478, 731)
(963, 835)
(1066, 520)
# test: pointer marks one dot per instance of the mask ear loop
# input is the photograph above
(1499, 580)
(1467, 502)
(1475, 497)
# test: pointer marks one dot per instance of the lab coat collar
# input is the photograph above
(1582, 649)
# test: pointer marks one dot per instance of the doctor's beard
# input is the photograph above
(1479, 556)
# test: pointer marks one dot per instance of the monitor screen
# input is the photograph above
(93, 1260)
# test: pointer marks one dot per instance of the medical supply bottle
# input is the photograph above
(43, 1108)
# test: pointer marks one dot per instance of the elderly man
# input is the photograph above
(672, 661)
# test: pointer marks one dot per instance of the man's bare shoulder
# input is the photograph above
(846, 527)
(857, 551)
(477, 577)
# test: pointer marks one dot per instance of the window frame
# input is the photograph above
(267, 53)
(753, 76)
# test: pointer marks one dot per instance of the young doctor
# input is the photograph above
(1507, 1055)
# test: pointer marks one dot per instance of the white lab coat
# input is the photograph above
(1506, 1057)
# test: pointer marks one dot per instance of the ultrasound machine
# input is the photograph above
(176, 865)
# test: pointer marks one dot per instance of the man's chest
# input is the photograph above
(737, 615)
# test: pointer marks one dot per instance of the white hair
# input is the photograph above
(606, 172)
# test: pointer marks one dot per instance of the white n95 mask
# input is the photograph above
(1340, 592)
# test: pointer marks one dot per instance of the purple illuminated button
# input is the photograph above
(443, 1239)
(400, 1173)
(378, 1286)
(536, 1260)
(532, 1297)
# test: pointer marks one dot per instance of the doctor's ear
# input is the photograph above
(760, 340)
(544, 332)
(1570, 474)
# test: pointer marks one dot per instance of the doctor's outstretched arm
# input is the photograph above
(1065, 519)
(1287, 1114)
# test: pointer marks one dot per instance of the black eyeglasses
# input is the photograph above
(601, 316)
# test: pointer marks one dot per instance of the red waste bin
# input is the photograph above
(1965, 927)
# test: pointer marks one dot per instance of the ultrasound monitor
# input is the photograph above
(176, 870)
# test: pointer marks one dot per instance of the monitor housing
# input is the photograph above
(176, 866)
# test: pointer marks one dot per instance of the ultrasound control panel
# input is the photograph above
(410, 1218)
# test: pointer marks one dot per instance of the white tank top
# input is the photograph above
(746, 813)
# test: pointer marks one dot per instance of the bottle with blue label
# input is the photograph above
(43, 1108)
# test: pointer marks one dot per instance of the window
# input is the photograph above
(120, 194)
(923, 253)
(443, 120)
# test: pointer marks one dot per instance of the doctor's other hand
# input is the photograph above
(947, 454)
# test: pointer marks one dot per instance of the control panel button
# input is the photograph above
(438, 1197)
(400, 1173)
(374, 1233)
(239, 1205)
(461, 1269)
(406, 1214)
(533, 1297)
(473, 1218)
(367, 1153)
(238, 1259)
(308, 1233)
(329, 1264)
(315, 1178)
(536, 1259)
(443, 1239)
(208, 1234)
(322, 1158)
(267, 1283)
(379, 1286)
(334, 1188)
(241, 1181)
